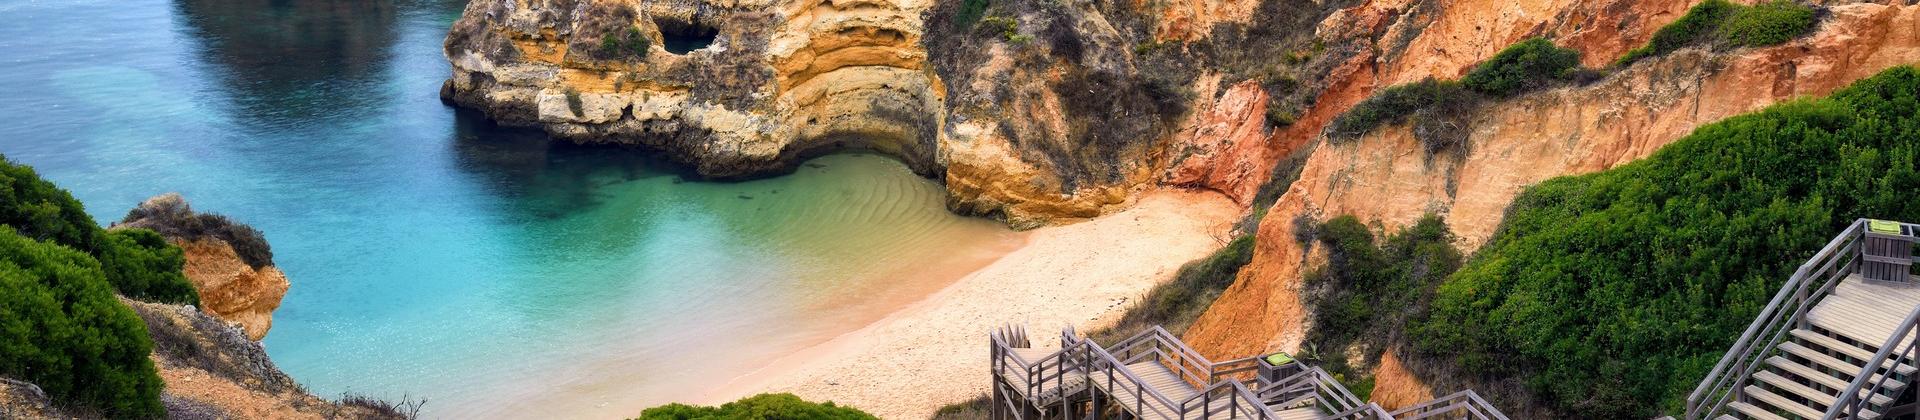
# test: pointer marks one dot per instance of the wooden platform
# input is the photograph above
(1865, 311)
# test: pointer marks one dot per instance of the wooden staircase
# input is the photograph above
(1153, 375)
(1833, 343)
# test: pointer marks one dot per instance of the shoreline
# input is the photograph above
(1084, 274)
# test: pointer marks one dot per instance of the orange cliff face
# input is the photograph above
(1408, 41)
(1385, 177)
(231, 288)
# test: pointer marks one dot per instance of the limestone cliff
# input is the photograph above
(780, 80)
(1031, 112)
(242, 289)
(1385, 177)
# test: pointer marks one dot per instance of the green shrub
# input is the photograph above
(1008, 27)
(39, 210)
(1696, 27)
(1732, 25)
(146, 267)
(763, 406)
(1611, 294)
(62, 329)
(1396, 104)
(1368, 288)
(970, 12)
(173, 218)
(1767, 23)
(621, 45)
(1528, 65)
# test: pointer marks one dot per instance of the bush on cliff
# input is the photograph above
(1529, 65)
(1697, 26)
(1719, 21)
(1441, 111)
(1611, 294)
(1369, 288)
(1767, 23)
(147, 266)
(1396, 104)
(137, 268)
(629, 43)
(62, 329)
(763, 406)
(172, 217)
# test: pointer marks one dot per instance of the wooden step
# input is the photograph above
(1847, 370)
(1782, 403)
(1821, 398)
(1754, 412)
(1814, 339)
(1824, 379)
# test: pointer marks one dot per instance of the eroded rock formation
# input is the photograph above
(1031, 112)
(1385, 177)
(214, 370)
(242, 289)
(780, 80)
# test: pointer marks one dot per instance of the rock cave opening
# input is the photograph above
(681, 37)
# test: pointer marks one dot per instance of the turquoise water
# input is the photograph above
(433, 254)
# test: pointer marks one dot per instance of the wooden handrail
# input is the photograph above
(1139, 386)
(1468, 401)
(1788, 305)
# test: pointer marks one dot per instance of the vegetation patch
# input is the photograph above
(1611, 294)
(1722, 23)
(1529, 65)
(970, 12)
(171, 217)
(763, 406)
(1768, 23)
(1369, 288)
(1441, 110)
(134, 263)
(626, 44)
(62, 329)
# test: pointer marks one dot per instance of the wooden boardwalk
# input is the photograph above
(1153, 375)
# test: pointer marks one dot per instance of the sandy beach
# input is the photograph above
(933, 352)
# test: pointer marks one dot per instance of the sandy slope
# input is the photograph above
(934, 352)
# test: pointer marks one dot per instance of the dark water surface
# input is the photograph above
(434, 254)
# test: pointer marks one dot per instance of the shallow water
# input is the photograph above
(433, 254)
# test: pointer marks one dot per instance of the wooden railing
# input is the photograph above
(1123, 387)
(1159, 345)
(1901, 349)
(1223, 396)
(1459, 405)
(1787, 311)
(1035, 375)
(1240, 403)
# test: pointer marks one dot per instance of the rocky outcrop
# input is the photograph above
(780, 80)
(1385, 177)
(211, 370)
(1031, 112)
(231, 289)
(214, 370)
(241, 288)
